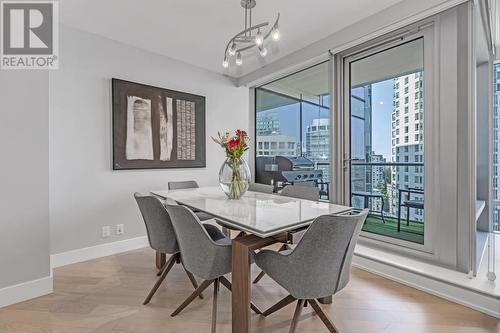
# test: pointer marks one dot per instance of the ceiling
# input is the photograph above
(196, 31)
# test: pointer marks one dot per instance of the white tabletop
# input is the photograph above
(258, 213)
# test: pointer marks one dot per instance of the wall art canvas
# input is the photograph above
(157, 128)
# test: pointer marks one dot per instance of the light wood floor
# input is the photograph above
(105, 295)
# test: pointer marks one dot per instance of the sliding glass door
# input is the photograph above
(384, 142)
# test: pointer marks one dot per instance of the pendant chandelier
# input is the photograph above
(252, 37)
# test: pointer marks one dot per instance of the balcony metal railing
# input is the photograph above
(355, 163)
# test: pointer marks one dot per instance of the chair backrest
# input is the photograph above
(301, 192)
(159, 227)
(182, 185)
(324, 255)
(199, 252)
(263, 188)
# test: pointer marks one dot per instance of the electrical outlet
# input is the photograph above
(120, 229)
(106, 231)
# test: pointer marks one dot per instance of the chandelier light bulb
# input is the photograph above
(232, 50)
(259, 39)
(262, 51)
(239, 59)
(252, 37)
(275, 34)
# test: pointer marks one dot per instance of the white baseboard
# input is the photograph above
(487, 304)
(97, 251)
(36, 288)
(25, 291)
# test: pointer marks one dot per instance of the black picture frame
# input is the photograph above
(137, 100)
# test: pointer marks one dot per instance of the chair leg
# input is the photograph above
(323, 316)
(160, 261)
(281, 304)
(260, 276)
(214, 306)
(225, 282)
(296, 315)
(169, 264)
(193, 281)
(161, 270)
(204, 285)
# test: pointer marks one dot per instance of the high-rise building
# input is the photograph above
(377, 170)
(318, 144)
(277, 144)
(407, 140)
(270, 141)
(267, 124)
(318, 140)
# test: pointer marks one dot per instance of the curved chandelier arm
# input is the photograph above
(275, 25)
(246, 30)
(251, 29)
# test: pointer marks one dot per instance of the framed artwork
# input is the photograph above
(156, 128)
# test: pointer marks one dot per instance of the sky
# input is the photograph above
(382, 99)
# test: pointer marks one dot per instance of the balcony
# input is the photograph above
(383, 187)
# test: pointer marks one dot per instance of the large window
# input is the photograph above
(496, 146)
(387, 140)
(293, 120)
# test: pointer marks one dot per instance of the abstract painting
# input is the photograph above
(156, 128)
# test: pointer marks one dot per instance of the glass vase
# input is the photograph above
(234, 177)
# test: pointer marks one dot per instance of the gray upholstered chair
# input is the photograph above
(161, 236)
(185, 184)
(180, 185)
(206, 256)
(320, 265)
(262, 188)
(301, 192)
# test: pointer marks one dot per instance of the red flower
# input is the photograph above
(233, 143)
(241, 134)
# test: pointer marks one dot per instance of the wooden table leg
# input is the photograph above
(241, 279)
(161, 259)
(326, 300)
(241, 287)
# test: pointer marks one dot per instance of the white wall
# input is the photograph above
(85, 193)
(24, 180)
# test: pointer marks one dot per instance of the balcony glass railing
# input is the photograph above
(394, 194)
(388, 179)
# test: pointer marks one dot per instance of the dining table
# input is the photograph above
(265, 218)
